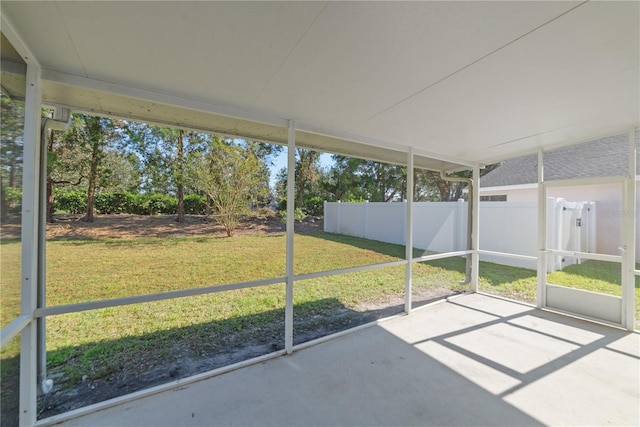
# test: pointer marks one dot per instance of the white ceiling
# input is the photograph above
(465, 82)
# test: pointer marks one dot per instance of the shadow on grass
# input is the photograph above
(599, 270)
(384, 248)
(499, 274)
(98, 371)
(9, 387)
(9, 240)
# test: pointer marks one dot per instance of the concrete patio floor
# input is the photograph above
(474, 360)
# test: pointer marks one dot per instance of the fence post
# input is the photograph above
(365, 232)
(338, 215)
(324, 220)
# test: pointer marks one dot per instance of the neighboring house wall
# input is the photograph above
(608, 198)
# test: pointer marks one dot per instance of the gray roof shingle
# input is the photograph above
(598, 158)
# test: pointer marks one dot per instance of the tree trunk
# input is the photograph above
(180, 177)
(458, 193)
(4, 206)
(91, 191)
(207, 208)
(49, 180)
(50, 200)
(12, 175)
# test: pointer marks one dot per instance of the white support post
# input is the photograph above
(542, 234)
(44, 384)
(459, 238)
(291, 173)
(475, 230)
(629, 244)
(29, 272)
(409, 234)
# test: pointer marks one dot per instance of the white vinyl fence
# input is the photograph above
(509, 227)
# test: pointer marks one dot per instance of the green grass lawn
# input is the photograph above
(89, 270)
(98, 343)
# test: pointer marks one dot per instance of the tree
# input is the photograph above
(11, 148)
(308, 176)
(95, 131)
(154, 146)
(179, 173)
(358, 179)
(162, 152)
(429, 185)
(92, 136)
(307, 173)
(266, 154)
(229, 175)
(262, 150)
(120, 171)
(64, 160)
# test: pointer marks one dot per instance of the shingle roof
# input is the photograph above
(602, 157)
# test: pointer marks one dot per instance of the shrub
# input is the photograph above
(195, 204)
(153, 204)
(282, 205)
(110, 203)
(353, 199)
(136, 206)
(73, 202)
(162, 204)
(298, 215)
(314, 206)
(13, 197)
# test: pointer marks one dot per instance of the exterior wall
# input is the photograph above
(608, 198)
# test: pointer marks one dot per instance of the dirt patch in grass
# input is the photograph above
(130, 226)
